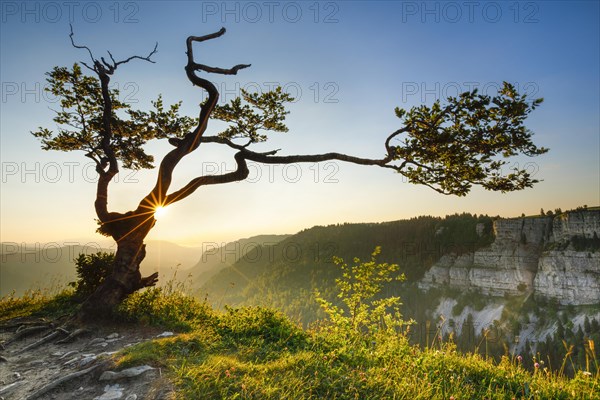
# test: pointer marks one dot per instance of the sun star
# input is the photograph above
(159, 212)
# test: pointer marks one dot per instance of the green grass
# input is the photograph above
(34, 303)
(258, 353)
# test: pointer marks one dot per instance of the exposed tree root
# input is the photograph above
(25, 331)
(27, 327)
(52, 363)
(45, 339)
(6, 389)
(21, 325)
(45, 389)
(68, 354)
(76, 333)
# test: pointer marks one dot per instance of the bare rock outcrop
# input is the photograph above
(531, 254)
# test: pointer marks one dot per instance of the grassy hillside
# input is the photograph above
(218, 256)
(285, 275)
(258, 353)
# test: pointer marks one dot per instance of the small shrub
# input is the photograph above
(92, 270)
(365, 317)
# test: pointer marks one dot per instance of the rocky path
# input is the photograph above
(40, 360)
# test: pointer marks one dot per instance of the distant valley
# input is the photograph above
(50, 266)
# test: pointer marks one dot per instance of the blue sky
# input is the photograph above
(348, 63)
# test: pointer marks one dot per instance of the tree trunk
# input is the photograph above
(129, 231)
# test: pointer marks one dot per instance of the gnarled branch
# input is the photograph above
(104, 69)
(191, 141)
(244, 155)
(239, 174)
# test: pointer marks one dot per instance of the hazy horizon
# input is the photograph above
(107, 243)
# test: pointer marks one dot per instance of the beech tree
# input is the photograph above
(449, 147)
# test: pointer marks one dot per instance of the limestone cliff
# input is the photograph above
(554, 256)
(572, 277)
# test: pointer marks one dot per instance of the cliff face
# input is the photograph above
(582, 224)
(531, 254)
(572, 277)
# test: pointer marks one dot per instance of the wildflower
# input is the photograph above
(519, 358)
(451, 398)
(587, 373)
(536, 365)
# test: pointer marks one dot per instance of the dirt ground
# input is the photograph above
(75, 369)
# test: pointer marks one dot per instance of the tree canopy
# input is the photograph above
(449, 146)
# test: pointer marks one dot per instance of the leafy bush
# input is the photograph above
(365, 317)
(92, 270)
